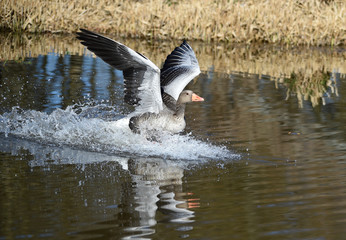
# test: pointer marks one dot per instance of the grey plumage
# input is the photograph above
(153, 92)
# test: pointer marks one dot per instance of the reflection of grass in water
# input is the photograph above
(309, 88)
(310, 66)
(291, 22)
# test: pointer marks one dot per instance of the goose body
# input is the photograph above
(157, 94)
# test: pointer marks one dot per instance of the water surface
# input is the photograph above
(262, 158)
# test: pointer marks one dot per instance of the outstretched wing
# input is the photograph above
(180, 67)
(141, 76)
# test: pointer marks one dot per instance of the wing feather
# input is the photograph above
(141, 76)
(180, 67)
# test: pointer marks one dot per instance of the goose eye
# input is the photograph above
(187, 93)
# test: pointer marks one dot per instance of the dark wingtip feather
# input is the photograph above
(84, 34)
(82, 30)
(185, 44)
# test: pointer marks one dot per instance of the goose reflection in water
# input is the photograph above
(158, 188)
(155, 186)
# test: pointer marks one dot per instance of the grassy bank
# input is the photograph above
(292, 22)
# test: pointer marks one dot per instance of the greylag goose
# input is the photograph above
(157, 95)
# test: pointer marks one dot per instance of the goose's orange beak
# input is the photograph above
(196, 98)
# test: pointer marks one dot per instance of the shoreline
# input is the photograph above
(307, 23)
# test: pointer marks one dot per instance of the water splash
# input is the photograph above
(90, 128)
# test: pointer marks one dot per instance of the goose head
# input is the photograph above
(187, 96)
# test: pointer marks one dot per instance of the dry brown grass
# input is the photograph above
(292, 22)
